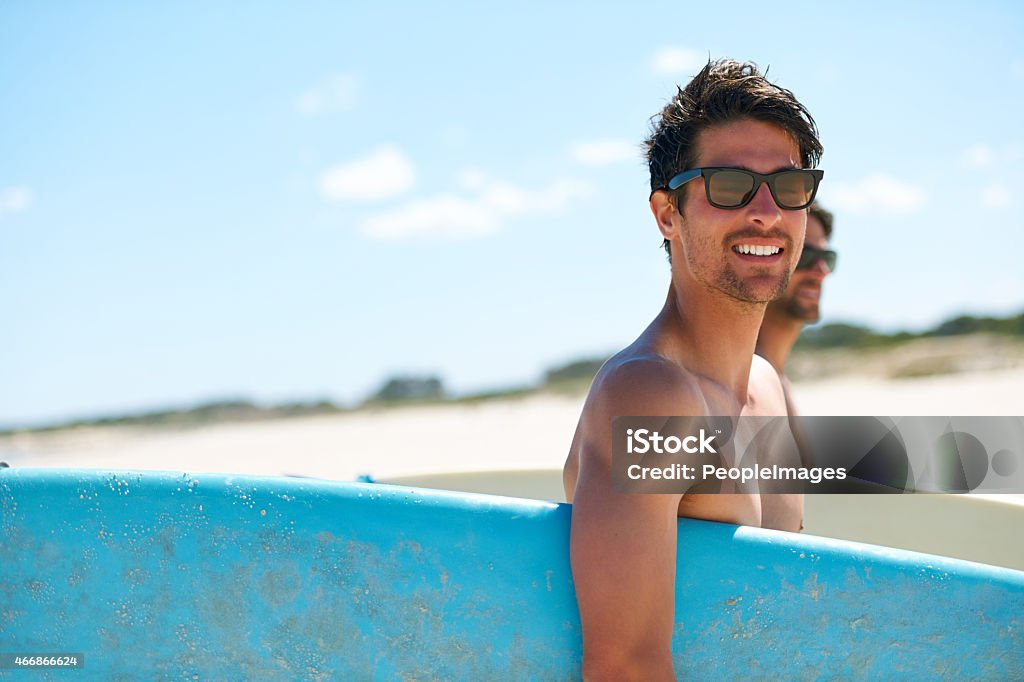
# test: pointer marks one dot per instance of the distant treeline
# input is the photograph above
(573, 377)
(854, 336)
(838, 335)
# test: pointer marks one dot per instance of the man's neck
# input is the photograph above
(775, 341)
(717, 335)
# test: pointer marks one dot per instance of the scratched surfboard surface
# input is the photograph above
(177, 576)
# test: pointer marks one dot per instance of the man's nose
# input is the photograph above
(763, 205)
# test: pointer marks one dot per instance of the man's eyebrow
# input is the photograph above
(779, 169)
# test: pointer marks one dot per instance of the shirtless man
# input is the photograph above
(786, 316)
(733, 240)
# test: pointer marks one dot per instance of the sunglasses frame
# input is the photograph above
(816, 254)
(686, 176)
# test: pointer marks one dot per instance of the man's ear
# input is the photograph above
(665, 214)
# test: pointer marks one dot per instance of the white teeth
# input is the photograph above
(757, 250)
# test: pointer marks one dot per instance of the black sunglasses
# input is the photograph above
(810, 255)
(792, 189)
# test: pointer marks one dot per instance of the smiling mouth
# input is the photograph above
(756, 250)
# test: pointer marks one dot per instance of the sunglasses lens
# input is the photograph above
(810, 255)
(794, 189)
(730, 188)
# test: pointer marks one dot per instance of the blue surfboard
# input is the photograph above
(152, 575)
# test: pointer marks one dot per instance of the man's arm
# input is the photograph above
(623, 546)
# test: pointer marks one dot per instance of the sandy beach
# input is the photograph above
(525, 433)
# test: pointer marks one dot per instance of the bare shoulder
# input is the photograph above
(644, 384)
(629, 384)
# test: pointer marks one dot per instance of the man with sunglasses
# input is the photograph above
(799, 305)
(730, 159)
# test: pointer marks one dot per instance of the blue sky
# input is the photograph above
(289, 201)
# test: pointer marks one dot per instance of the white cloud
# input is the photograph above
(441, 216)
(672, 61)
(508, 199)
(979, 155)
(450, 215)
(878, 192)
(995, 196)
(336, 94)
(604, 152)
(15, 199)
(384, 174)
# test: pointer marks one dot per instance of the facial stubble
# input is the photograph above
(723, 277)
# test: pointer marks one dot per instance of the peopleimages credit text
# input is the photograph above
(708, 471)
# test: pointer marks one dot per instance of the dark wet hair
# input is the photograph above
(724, 91)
